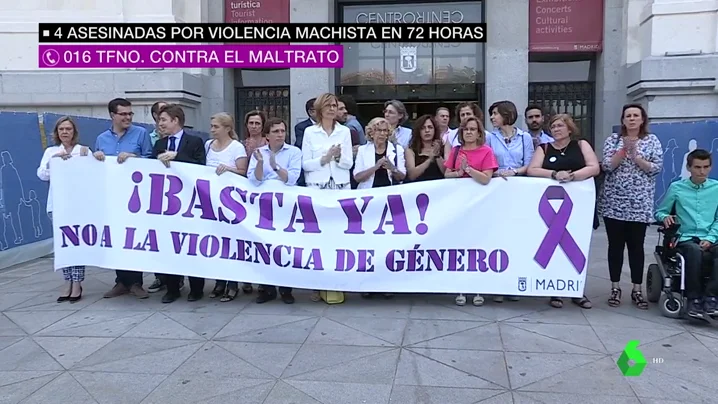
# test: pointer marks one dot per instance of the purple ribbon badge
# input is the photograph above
(557, 233)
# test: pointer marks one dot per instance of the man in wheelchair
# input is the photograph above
(695, 202)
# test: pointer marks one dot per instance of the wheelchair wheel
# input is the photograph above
(672, 305)
(654, 283)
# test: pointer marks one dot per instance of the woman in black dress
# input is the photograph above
(566, 159)
(424, 156)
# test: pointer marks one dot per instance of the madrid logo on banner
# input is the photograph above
(521, 236)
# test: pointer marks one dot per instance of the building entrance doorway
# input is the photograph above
(418, 99)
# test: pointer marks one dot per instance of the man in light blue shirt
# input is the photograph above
(276, 161)
(693, 204)
(124, 140)
(534, 121)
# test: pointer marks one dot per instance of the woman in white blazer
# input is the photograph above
(67, 139)
(379, 163)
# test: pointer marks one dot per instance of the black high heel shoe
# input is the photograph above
(63, 299)
(77, 298)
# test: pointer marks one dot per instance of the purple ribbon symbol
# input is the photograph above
(557, 233)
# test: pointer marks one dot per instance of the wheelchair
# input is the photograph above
(665, 280)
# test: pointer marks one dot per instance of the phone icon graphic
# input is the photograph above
(51, 57)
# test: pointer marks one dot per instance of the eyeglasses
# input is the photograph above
(125, 114)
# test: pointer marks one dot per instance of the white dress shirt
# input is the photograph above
(315, 144)
(403, 136)
(43, 171)
(288, 157)
(366, 158)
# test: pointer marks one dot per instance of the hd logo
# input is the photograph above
(522, 284)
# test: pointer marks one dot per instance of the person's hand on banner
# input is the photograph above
(563, 176)
(100, 156)
(63, 154)
(84, 151)
(166, 157)
(122, 157)
(221, 169)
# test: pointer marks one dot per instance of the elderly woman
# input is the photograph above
(379, 163)
(67, 144)
(395, 113)
(327, 159)
(472, 159)
(631, 159)
(424, 156)
(566, 159)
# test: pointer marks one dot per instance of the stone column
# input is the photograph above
(507, 55)
(308, 83)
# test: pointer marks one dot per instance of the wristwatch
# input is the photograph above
(514, 171)
(553, 174)
(276, 169)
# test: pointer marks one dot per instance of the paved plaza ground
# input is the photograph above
(414, 349)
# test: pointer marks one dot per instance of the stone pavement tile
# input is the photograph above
(485, 337)
(501, 311)
(269, 357)
(131, 355)
(660, 401)
(95, 324)
(213, 360)
(576, 335)
(252, 323)
(418, 369)
(277, 307)
(655, 384)
(380, 308)
(16, 386)
(315, 357)
(329, 332)
(566, 315)
(594, 378)
(118, 388)
(34, 321)
(10, 299)
(682, 347)
(282, 393)
(616, 338)
(390, 330)
(488, 365)
(63, 389)
(126, 303)
(7, 341)
(206, 305)
(8, 328)
(37, 284)
(68, 351)
(527, 368)
(516, 339)
(709, 342)
(698, 327)
(290, 333)
(345, 393)
(48, 301)
(608, 318)
(27, 355)
(374, 369)
(199, 388)
(205, 324)
(441, 395)
(158, 325)
(653, 314)
(430, 311)
(503, 398)
(554, 398)
(424, 330)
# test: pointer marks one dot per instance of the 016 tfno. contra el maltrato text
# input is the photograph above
(219, 56)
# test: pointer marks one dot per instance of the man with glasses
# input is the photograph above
(124, 140)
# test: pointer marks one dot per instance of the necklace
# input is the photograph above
(562, 150)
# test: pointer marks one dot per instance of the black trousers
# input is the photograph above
(173, 283)
(128, 278)
(625, 235)
(696, 265)
(272, 290)
(223, 284)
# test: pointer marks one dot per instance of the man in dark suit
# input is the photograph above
(303, 125)
(181, 147)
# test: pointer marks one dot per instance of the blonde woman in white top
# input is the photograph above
(67, 144)
(327, 157)
(227, 154)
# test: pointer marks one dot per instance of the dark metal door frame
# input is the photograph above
(274, 101)
(575, 98)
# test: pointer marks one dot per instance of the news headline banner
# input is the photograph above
(522, 236)
(190, 56)
(259, 33)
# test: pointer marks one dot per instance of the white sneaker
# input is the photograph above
(460, 300)
(478, 300)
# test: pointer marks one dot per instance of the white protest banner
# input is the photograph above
(521, 236)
